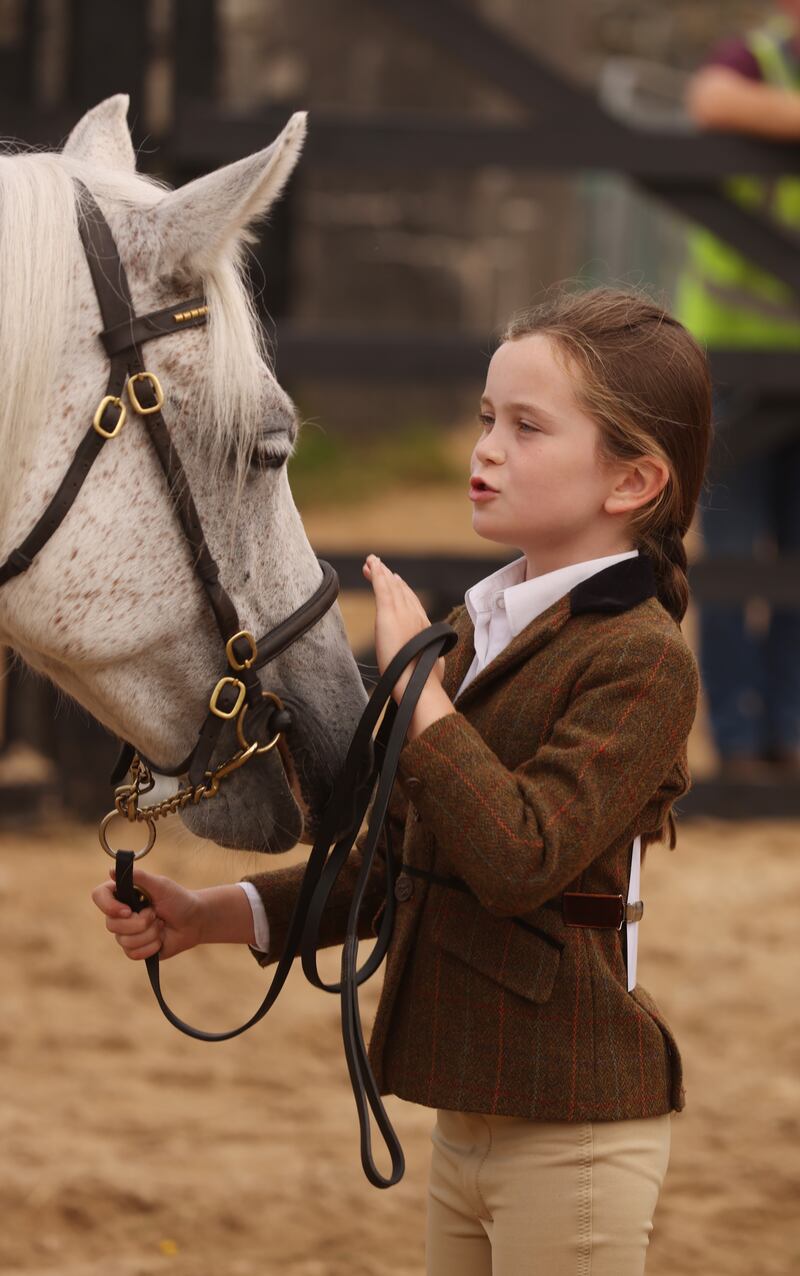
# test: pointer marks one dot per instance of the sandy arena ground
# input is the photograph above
(129, 1149)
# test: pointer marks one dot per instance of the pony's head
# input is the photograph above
(111, 609)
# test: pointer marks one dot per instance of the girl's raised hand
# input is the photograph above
(169, 926)
(399, 615)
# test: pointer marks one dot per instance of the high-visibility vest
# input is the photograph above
(721, 297)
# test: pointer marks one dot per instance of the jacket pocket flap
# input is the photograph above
(512, 952)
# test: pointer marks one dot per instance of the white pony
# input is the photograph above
(111, 609)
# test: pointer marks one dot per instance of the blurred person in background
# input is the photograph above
(750, 84)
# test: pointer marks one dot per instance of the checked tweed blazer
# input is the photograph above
(563, 748)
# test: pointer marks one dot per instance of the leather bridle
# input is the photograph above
(370, 760)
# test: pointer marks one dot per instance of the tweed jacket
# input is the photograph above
(566, 745)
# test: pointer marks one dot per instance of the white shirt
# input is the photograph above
(500, 606)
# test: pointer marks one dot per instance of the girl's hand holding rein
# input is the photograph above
(177, 919)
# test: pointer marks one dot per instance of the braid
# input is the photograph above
(668, 554)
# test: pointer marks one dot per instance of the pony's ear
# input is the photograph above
(196, 223)
(102, 137)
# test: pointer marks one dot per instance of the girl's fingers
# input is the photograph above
(152, 934)
(382, 582)
(385, 582)
(139, 954)
(150, 883)
(135, 924)
(103, 896)
(412, 599)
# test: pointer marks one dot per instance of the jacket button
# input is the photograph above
(403, 887)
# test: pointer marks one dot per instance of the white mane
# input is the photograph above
(39, 253)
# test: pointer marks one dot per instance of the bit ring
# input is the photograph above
(240, 736)
(151, 836)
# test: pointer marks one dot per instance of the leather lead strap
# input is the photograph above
(322, 869)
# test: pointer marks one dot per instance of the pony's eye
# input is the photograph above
(262, 461)
(270, 453)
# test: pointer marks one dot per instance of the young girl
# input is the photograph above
(545, 752)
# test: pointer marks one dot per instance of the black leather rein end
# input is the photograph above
(125, 891)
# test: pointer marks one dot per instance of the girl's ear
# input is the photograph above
(197, 223)
(640, 482)
(102, 137)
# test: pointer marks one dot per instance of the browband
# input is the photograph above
(159, 323)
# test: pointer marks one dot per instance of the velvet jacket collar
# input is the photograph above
(613, 590)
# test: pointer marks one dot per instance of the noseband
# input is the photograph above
(369, 762)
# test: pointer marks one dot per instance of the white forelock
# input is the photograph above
(38, 210)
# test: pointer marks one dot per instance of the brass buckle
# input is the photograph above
(232, 661)
(157, 390)
(214, 707)
(240, 736)
(98, 416)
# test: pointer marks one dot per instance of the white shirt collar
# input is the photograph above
(523, 600)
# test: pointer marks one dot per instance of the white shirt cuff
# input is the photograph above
(260, 923)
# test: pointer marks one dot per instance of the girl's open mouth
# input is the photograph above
(480, 491)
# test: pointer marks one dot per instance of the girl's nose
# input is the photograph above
(488, 451)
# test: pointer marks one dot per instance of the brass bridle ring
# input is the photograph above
(151, 836)
(240, 736)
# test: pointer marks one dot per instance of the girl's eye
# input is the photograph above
(488, 421)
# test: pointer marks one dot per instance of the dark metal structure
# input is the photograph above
(109, 49)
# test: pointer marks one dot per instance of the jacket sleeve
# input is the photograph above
(518, 837)
(279, 888)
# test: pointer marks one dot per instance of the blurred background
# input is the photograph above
(462, 155)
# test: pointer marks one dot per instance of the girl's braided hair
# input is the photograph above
(645, 381)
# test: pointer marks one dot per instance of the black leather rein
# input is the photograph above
(371, 763)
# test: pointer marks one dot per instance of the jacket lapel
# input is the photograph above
(613, 590)
(540, 630)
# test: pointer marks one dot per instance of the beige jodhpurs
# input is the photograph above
(513, 1197)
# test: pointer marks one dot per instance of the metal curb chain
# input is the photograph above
(126, 796)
